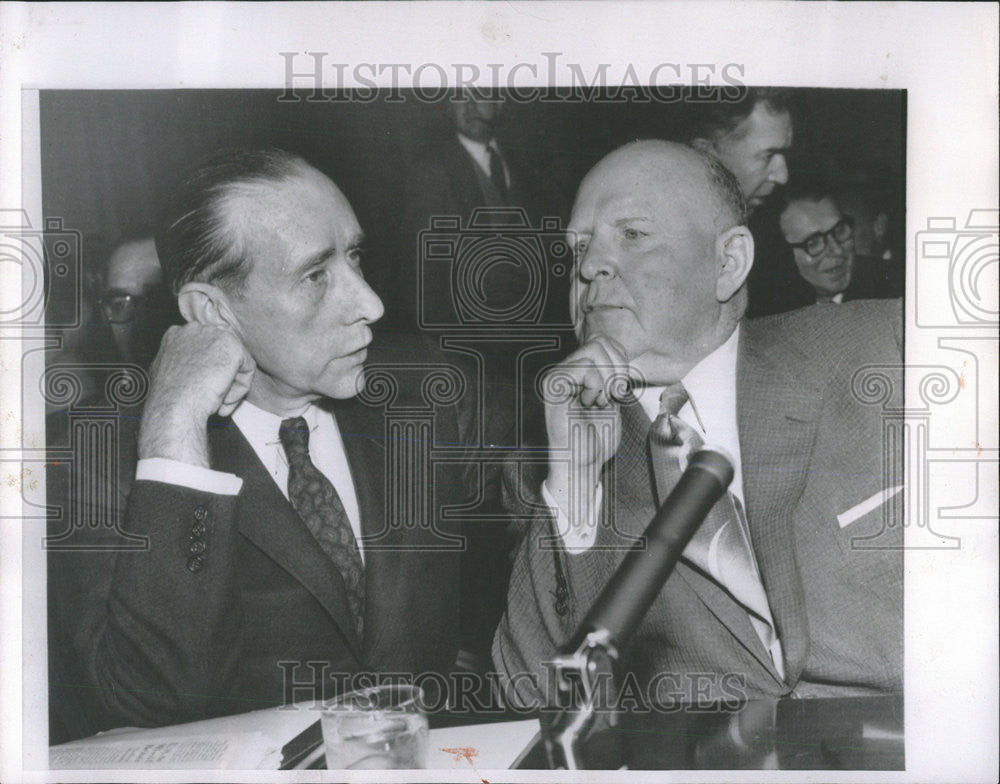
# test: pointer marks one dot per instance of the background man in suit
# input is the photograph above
(751, 137)
(272, 558)
(804, 590)
(465, 170)
(822, 241)
(135, 301)
(493, 191)
(131, 308)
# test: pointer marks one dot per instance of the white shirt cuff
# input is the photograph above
(575, 538)
(173, 472)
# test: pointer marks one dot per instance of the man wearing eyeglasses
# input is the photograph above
(822, 241)
(131, 310)
(134, 300)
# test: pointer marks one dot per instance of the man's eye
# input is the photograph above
(632, 234)
(580, 248)
(317, 275)
(356, 255)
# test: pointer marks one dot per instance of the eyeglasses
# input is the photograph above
(120, 308)
(816, 243)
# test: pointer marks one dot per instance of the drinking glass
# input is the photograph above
(381, 727)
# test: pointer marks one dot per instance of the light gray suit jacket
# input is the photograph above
(817, 454)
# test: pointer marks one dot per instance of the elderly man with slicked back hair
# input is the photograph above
(279, 561)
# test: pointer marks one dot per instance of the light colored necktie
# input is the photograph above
(721, 546)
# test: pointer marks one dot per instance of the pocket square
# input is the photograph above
(860, 510)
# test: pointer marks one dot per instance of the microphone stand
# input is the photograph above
(588, 667)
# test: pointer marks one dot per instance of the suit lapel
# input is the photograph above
(362, 429)
(778, 412)
(464, 177)
(268, 520)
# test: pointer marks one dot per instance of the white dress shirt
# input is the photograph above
(260, 428)
(710, 410)
(481, 155)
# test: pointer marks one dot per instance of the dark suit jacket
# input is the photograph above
(443, 180)
(871, 279)
(812, 449)
(777, 287)
(170, 634)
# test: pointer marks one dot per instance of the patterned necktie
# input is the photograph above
(315, 500)
(721, 545)
(497, 174)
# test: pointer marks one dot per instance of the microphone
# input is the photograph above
(623, 604)
(627, 597)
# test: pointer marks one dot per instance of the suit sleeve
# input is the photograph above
(541, 613)
(538, 621)
(169, 643)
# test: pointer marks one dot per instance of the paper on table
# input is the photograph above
(145, 751)
(480, 747)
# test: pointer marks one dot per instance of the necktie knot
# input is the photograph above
(294, 436)
(672, 400)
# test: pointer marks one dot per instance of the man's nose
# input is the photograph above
(778, 170)
(365, 303)
(835, 247)
(597, 262)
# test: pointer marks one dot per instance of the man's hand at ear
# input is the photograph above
(200, 370)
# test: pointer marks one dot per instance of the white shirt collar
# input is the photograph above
(480, 153)
(711, 406)
(326, 450)
(711, 384)
(261, 427)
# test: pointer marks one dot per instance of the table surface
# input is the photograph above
(852, 733)
(857, 733)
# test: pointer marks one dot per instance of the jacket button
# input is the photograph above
(200, 513)
(197, 547)
(197, 530)
(562, 600)
(194, 564)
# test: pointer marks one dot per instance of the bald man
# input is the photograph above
(794, 582)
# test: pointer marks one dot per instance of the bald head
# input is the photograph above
(703, 188)
(662, 255)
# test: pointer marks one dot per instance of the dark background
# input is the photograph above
(110, 156)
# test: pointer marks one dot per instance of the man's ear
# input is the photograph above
(206, 303)
(702, 144)
(734, 257)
